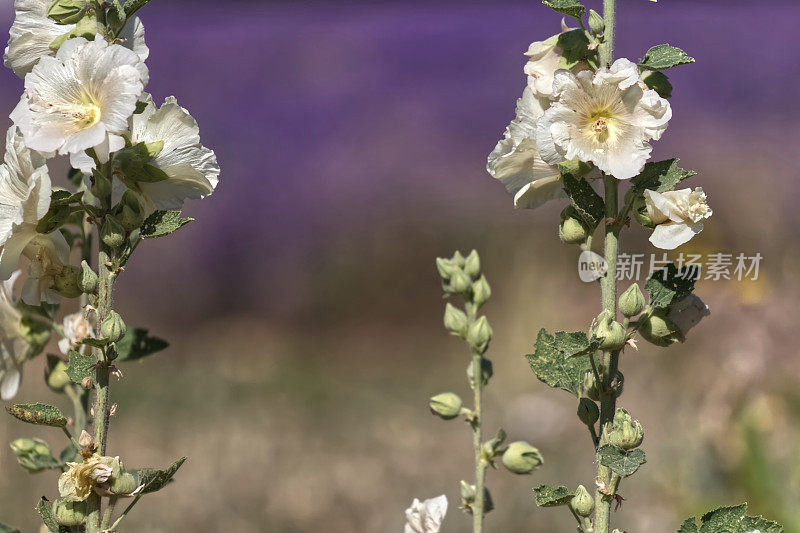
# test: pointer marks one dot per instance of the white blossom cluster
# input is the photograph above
(605, 117)
(84, 97)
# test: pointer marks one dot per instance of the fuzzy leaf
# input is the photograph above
(660, 176)
(624, 463)
(663, 57)
(163, 223)
(96, 343)
(547, 496)
(70, 454)
(589, 204)
(8, 529)
(659, 82)
(155, 480)
(730, 520)
(576, 343)
(137, 344)
(45, 510)
(80, 366)
(572, 8)
(552, 367)
(666, 290)
(39, 414)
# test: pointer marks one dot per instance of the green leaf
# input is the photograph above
(70, 454)
(660, 176)
(589, 204)
(624, 463)
(663, 57)
(576, 343)
(95, 343)
(62, 197)
(163, 223)
(547, 496)
(659, 82)
(155, 480)
(553, 367)
(80, 366)
(8, 529)
(134, 162)
(39, 414)
(730, 520)
(137, 344)
(34, 455)
(667, 289)
(575, 47)
(45, 510)
(571, 8)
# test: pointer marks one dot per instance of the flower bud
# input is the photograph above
(588, 411)
(660, 330)
(639, 211)
(460, 282)
(87, 383)
(582, 503)
(472, 264)
(632, 302)
(131, 214)
(112, 327)
(479, 335)
(455, 320)
(572, 230)
(123, 484)
(101, 186)
(67, 11)
(56, 374)
(481, 292)
(610, 331)
(446, 405)
(589, 387)
(459, 260)
(522, 458)
(112, 232)
(445, 268)
(468, 498)
(87, 281)
(70, 514)
(487, 371)
(624, 433)
(65, 282)
(596, 23)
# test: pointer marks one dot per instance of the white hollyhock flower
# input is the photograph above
(516, 162)
(688, 312)
(679, 215)
(427, 516)
(76, 327)
(80, 99)
(192, 168)
(12, 344)
(32, 32)
(543, 59)
(607, 118)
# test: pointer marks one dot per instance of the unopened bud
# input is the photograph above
(472, 264)
(632, 302)
(112, 328)
(70, 514)
(67, 11)
(85, 440)
(458, 260)
(112, 232)
(455, 320)
(588, 411)
(468, 498)
(611, 332)
(572, 230)
(596, 23)
(582, 503)
(624, 433)
(87, 281)
(487, 371)
(56, 374)
(460, 282)
(639, 211)
(522, 458)
(86, 383)
(660, 330)
(479, 335)
(589, 387)
(65, 282)
(131, 214)
(123, 484)
(481, 291)
(445, 268)
(446, 405)
(101, 186)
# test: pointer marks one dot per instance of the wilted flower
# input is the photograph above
(80, 99)
(76, 327)
(191, 168)
(516, 162)
(33, 32)
(427, 516)
(605, 117)
(12, 344)
(678, 214)
(78, 482)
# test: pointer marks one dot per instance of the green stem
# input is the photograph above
(132, 6)
(109, 514)
(477, 441)
(124, 513)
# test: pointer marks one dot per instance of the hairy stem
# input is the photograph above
(480, 461)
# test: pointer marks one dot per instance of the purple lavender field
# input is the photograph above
(303, 306)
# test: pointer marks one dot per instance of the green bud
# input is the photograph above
(123, 483)
(445, 268)
(53, 219)
(479, 335)
(56, 374)
(70, 514)
(596, 23)
(487, 371)
(583, 502)
(101, 186)
(468, 498)
(472, 264)
(458, 260)
(87, 281)
(624, 433)
(446, 405)
(572, 230)
(610, 331)
(65, 282)
(639, 210)
(33, 455)
(131, 213)
(455, 320)
(522, 458)
(460, 282)
(67, 11)
(481, 291)
(589, 387)
(87, 27)
(632, 302)
(588, 411)
(660, 330)
(112, 327)
(112, 232)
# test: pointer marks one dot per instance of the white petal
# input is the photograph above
(670, 235)
(539, 192)
(10, 381)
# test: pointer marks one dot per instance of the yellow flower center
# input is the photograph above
(601, 124)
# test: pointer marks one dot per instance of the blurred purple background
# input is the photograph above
(353, 140)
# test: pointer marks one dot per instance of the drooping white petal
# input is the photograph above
(427, 516)
(670, 235)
